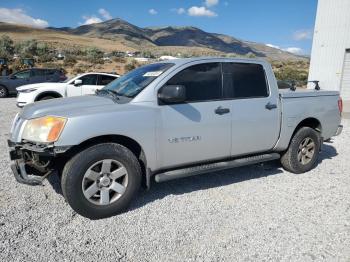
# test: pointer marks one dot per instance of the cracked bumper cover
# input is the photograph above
(25, 172)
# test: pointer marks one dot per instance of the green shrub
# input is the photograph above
(94, 55)
(69, 60)
(131, 66)
(6, 47)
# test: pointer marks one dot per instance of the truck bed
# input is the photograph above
(296, 106)
(287, 93)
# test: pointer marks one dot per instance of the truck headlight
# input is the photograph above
(44, 129)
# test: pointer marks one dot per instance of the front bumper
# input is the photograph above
(33, 162)
(19, 170)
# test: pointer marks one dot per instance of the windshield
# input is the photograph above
(131, 84)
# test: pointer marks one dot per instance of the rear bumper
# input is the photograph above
(339, 130)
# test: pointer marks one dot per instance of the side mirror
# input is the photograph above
(170, 94)
(78, 82)
(13, 77)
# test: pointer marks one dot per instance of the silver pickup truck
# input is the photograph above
(169, 120)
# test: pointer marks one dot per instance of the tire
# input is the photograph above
(3, 92)
(81, 177)
(302, 153)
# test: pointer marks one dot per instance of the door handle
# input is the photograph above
(221, 111)
(270, 106)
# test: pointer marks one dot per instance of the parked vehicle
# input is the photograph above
(169, 120)
(9, 83)
(80, 85)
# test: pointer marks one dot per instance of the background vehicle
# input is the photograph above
(9, 83)
(80, 85)
(170, 120)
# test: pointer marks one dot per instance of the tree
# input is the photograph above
(6, 47)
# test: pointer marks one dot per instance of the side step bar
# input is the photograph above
(205, 168)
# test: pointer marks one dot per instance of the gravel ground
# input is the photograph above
(251, 213)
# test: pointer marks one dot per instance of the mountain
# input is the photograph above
(177, 36)
(117, 34)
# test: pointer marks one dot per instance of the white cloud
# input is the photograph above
(210, 3)
(273, 46)
(105, 14)
(91, 20)
(179, 11)
(19, 16)
(294, 50)
(200, 11)
(302, 35)
(152, 11)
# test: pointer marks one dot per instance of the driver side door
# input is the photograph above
(87, 81)
(21, 78)
(200, 128)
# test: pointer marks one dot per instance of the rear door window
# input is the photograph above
(203, 82)
(244, 80)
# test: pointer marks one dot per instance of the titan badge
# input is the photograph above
(184, 139)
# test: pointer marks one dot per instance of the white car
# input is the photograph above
(84, 84)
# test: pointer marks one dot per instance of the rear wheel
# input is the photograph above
(303, 151)
(101, 181)
(3, 92)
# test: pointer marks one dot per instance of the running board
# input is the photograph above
(205, 168)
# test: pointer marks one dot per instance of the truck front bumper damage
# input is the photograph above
(33, 163)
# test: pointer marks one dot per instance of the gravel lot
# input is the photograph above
(251, 213)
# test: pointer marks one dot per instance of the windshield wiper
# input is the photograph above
(108, 91)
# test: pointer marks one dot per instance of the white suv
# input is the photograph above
(84, 84)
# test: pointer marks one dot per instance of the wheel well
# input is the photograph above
(310, 122)
(128, 142)
(50, 93)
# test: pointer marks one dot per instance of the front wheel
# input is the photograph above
(3, 92)
(303, 151)
(101, 180)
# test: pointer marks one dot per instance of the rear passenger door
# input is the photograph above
(255, 112)
(199, 129)
(38, 76)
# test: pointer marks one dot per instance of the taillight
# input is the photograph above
(340, 105)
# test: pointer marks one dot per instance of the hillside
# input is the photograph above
(155, 38)
(59, 39)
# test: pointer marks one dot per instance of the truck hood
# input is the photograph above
(66, 106)
(41, 85)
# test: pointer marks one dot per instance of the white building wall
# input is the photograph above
(331, 39)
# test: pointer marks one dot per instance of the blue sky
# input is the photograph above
(287, 24)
